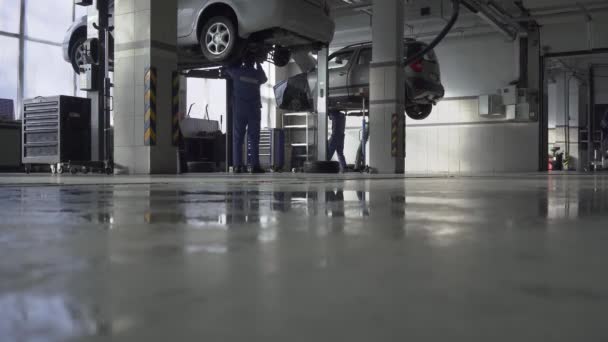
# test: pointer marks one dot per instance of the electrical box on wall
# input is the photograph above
(527, 104)
(509, 95)
(491, 106)
(510, 104)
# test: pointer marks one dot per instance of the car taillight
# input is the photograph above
(417, 66)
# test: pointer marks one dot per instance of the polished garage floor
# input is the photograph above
(290, 258)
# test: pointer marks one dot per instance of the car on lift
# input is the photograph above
(348, 73)
(216, 32)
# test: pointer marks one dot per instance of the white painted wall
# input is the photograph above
(456, 140)
(601, 85)
(475, 65)
(574, 34)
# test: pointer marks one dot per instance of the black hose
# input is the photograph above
(439, 38)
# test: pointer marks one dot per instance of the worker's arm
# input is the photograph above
(261, 74)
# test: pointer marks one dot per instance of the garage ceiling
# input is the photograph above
(353, 17)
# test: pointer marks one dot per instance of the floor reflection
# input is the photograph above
(45, 318)
(105, 260)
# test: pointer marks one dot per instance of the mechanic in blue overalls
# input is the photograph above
(247, 109)
(336, 142)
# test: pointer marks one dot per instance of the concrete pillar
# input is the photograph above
(387, 88)
(321, 105)
(145, 37)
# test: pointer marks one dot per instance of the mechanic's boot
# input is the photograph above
(256, 170)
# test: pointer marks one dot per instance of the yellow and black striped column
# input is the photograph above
(150, 82)
(175, 114)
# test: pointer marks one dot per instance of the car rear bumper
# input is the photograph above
(423, 91)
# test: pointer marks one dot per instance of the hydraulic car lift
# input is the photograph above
(95, 80)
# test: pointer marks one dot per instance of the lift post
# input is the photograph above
(95, 80)
(321, 103)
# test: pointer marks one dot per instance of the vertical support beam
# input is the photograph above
(93, 17)
(387, 88)
(229, 124)
(591, 117)
(145, 38)
(322, 81)
(21, 71)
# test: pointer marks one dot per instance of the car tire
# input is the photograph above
(76, 53)
(220, 41)
(322, 167)
(419, 111)
(281, 57)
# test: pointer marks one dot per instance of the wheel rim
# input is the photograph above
(79, 56)
(217, 39)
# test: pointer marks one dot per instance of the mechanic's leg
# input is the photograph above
(253, 131)
(238, 135)
(331, 147)
(340, 150)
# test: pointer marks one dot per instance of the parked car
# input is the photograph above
(349, 81)
(220, 31)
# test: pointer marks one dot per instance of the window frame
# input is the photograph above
(342, 52)
(22, 37)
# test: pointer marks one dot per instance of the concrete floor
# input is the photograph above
(293, 258)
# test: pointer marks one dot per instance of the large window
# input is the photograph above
(9, 16)
(207, 94)
(9, 67)
(48, 22)
(53, 77)
(31, 57)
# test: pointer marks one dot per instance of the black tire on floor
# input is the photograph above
(201, 167)
(322, 167)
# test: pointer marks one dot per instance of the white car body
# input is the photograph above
(308, 21)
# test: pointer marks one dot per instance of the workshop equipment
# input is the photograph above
(56, 131)
(272, 149)
(7, 110)
(10, 140)
(202, 147)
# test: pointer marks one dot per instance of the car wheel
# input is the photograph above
(77, 54)
(419, 111)
(281, 57)
(219, 40)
